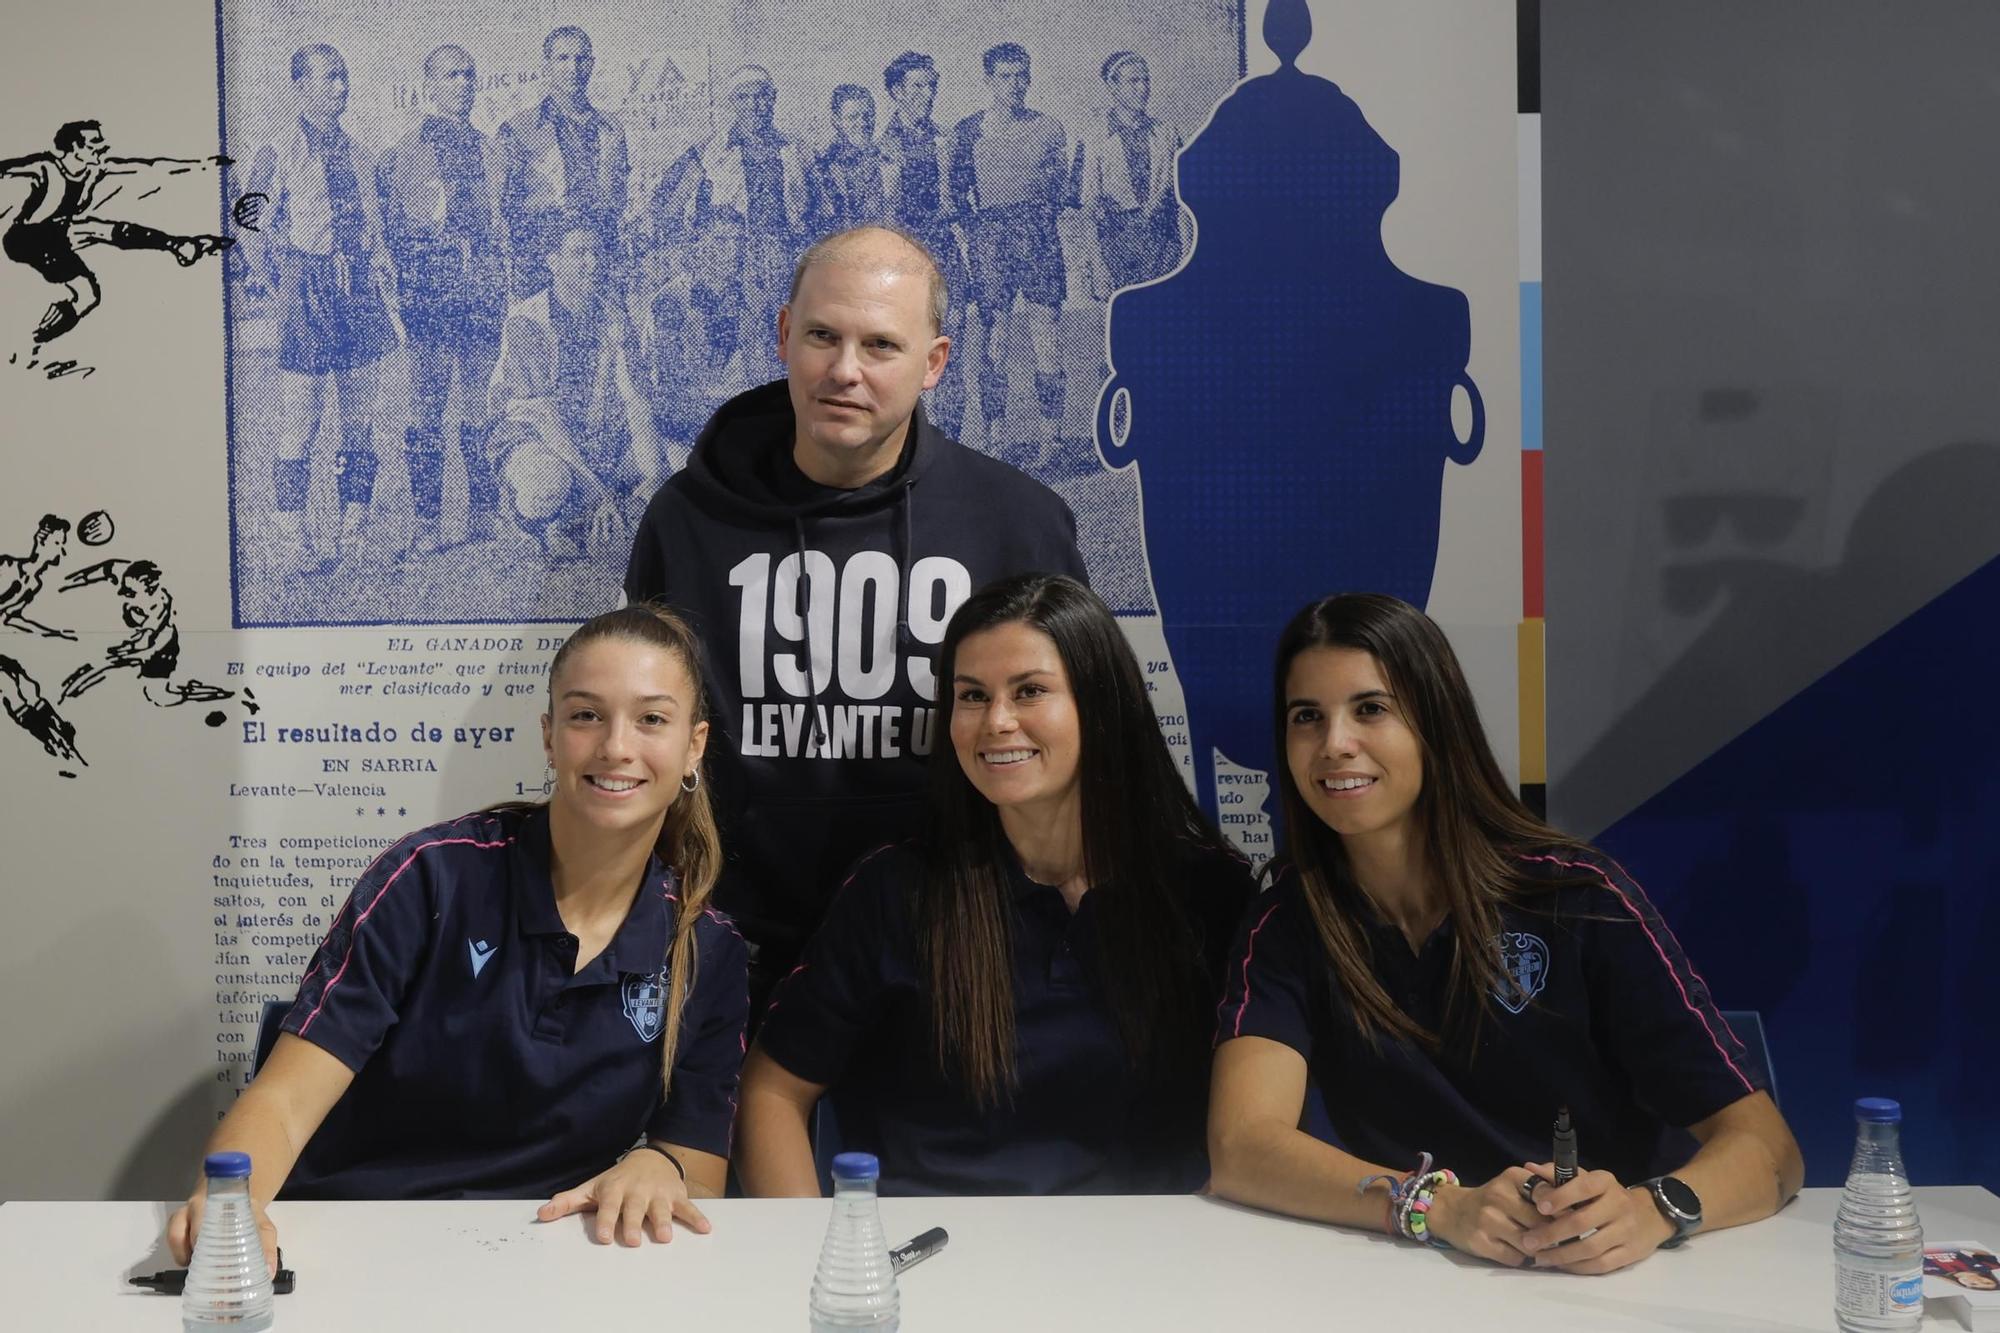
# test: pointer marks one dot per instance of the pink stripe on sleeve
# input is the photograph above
(1665, 961)
(1249, 951)
(348, 905)
(736, 1084)
(777, 991)
(363, 916)
(855, 873)
(725, 922)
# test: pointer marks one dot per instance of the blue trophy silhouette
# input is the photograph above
(1286, 393)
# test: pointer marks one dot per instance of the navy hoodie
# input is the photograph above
(811, 771)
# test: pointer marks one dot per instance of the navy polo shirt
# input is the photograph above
(1617, 1025)
(484, 1064)
(855, 1016)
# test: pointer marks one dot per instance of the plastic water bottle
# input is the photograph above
(1878, 1243)
(228, 1283)
(855, 1286)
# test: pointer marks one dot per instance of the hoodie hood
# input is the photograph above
(730, 472)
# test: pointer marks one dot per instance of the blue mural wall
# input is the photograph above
(1323, 470)
(1834, 868)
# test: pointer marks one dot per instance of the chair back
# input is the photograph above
(269, 1024)
(1748, 1025)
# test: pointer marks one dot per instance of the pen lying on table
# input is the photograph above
(172, 1281)
(917, 1249)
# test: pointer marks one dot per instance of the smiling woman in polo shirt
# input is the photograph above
(532, 1001)
(1450, 972)
(1019, 1003)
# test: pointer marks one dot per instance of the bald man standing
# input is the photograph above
(819, 541)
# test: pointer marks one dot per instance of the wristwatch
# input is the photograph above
(1679, 1204)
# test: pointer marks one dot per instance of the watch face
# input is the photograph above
(1679, 1197)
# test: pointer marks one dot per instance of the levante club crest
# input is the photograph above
(646, 1003)
(1525, 960)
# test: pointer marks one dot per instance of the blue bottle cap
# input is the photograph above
(226, 1165)
(1879, 1111)
(856, 1166)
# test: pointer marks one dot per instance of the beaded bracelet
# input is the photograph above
(1410, 1200)
(1417, 1207)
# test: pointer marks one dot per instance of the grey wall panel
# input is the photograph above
(1771, 339)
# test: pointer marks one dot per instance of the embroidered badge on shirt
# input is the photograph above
(1525, 959)
(646, 1004)
(481, 953)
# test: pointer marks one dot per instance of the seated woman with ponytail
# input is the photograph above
(534, 1001)
(1452, 973)
(1020, 1002)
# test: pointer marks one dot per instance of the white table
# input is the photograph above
(1130, 1265)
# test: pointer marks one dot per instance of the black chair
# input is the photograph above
(825, 1141)
(1313, 1118)
(1748, 1025)
(269, 1024)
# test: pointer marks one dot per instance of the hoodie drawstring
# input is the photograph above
(904, 638)
(802, 604)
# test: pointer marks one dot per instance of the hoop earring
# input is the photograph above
(692, 782)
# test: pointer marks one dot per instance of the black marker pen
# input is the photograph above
(1563, 1153)
(917, 1249)
(172, 1281)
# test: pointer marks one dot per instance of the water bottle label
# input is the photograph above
(1860, 1292)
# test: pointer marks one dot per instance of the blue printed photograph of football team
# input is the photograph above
(464, 362)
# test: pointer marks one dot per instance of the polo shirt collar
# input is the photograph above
(1387, 937)
(534, 852)
(1022, 889)
(640, 946)
(1017, 878)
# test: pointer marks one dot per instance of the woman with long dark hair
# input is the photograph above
(1018, 1002)
(533, 1001)
(1454, 975)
